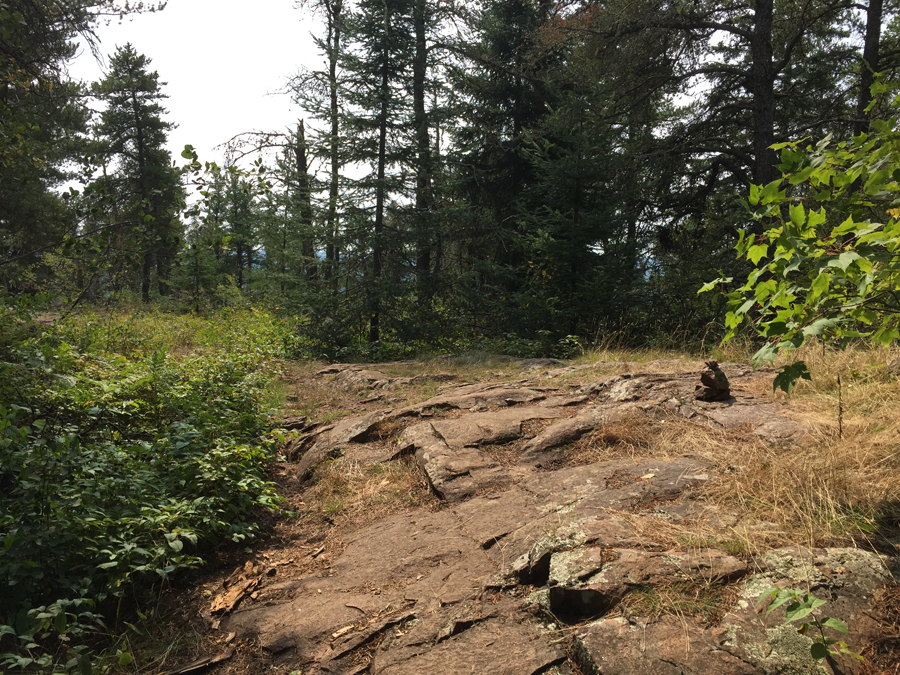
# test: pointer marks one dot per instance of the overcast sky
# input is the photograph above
(224, 61)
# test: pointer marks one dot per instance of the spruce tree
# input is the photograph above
(320, 93)
(141, 181)
(378, 73)
(43, 125)
(504, 95)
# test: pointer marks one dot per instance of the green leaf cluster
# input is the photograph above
(824, 246)
(797, 607)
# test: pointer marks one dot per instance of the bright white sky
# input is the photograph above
(224, 61)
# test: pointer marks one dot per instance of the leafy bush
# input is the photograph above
(120, 462)
(826, 262)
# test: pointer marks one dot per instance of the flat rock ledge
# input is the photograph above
(528, 567)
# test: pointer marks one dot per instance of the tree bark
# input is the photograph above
(870, 64)
(163, 268)
(147, 231)
(239, 252)
(424, 202)
(304, 195)
(380, 189)
(333, 10)
(762, 90)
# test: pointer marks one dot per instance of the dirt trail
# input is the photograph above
(523, 524)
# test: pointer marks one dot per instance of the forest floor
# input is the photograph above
(523, 516)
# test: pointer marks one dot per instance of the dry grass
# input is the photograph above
(612, 356)
(824, 492)
(301, 393)
(827, 490)
(630, 438)
(703, 603)
(606, 361)
(352, 494)
(474, 366)
(883, 655)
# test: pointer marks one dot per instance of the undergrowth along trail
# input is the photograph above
(131, 445)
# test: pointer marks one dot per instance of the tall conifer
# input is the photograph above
(145, 187)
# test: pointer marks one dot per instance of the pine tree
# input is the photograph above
(377, 76)
(43, 125)
(144, 186)
(504, 95)
(290, 237)
(241, 226)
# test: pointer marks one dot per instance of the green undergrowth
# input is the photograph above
(131, 445)
(303, 340)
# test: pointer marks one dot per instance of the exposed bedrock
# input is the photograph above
(531, 565)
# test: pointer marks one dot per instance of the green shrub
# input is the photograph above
(120, 463)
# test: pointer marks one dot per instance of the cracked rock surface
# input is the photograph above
(526, 565)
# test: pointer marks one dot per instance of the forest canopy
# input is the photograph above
(525, 173)
(519, 176)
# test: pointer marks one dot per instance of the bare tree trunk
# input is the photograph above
(762, 90)
(870, 64)
(424, 202)
(381, 188)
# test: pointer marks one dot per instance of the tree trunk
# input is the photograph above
(423, 159)
(239, 251)
(163, 268)
(870, 64)
(147, 230)
(304, 195)
(762, 91)
(284, 247)
(374, 289)
(333, 10)
(145, 275)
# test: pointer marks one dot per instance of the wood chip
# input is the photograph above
(230, 637)
(240, 574)
(227, 601)
(201, 663)
(342, 631)
(317, 552)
